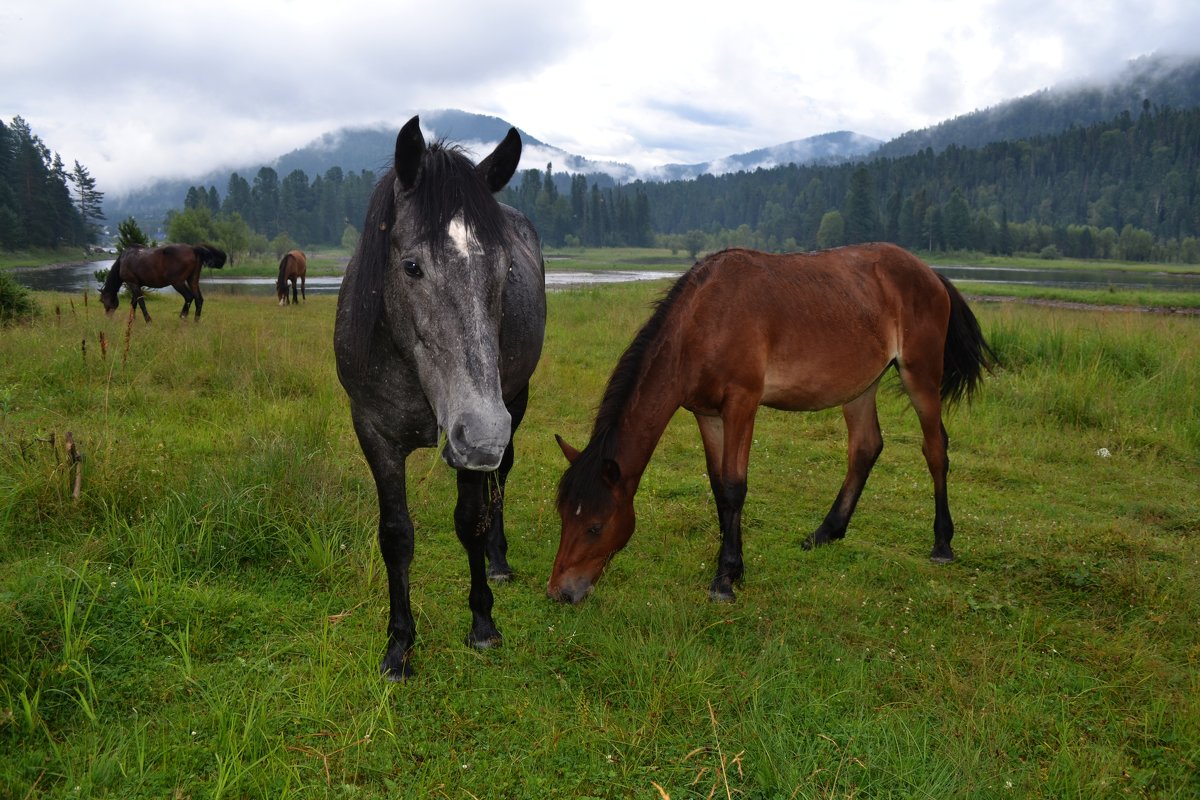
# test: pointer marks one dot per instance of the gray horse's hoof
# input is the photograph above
(485, 642)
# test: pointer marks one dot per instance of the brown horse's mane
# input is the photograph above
(447, 184)
(281, 281)
(581, 485)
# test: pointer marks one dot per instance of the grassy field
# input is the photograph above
(207, 619)
(42, 256)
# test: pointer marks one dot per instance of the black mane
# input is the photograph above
(447, 184)
(582, 485)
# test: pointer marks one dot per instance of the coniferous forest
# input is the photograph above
(1128, 188)
(37, 208)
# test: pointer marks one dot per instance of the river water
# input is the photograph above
(74, 278)
(78, 277)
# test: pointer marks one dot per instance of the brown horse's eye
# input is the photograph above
(594, 530)
(412, 269)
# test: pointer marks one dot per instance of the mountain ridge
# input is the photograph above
(1157, 79)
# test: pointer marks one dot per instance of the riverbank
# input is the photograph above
(50, 257)
(1079, 285)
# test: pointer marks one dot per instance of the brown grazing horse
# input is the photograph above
(293, 266)
(175, 265)
(796, 332)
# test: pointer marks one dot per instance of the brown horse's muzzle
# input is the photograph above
(573, 590)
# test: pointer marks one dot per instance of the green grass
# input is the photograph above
(609, 258)
(1159, 300)
(323, 261)
(41, 256)
(1034, 262)
(207, 620)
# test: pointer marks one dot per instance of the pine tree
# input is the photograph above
(861, 218)
(89, 199)
(130, 235)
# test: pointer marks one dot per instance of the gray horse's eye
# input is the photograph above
(412, 269)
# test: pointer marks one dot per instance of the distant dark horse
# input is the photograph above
(293, 266)
(439, 326)
(796, 332)
(176, 265)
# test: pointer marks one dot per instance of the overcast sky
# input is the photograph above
(144, 89)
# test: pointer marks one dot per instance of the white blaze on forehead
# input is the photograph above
(461, 235)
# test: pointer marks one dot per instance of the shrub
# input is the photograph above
(16, 304)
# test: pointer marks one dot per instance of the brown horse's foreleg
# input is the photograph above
(865, 444)
(302, 281)
(138, 299)
(727, 456)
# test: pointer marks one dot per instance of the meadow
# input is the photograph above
(206, 619)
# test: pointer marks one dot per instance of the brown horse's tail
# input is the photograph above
(967, 353)
(209, 256)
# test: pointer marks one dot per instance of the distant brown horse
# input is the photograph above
(796, 332)
(175, 265)
(293, 265)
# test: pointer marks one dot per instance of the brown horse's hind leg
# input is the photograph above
(186, 291)
(865, 443)
(923, 391)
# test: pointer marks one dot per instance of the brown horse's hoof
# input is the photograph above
(945, 556)
(820, 537)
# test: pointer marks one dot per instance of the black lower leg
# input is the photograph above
(472, 525)
(396, 546)
(497, 542)
(943, 524)
(834, 526)
(730, 497)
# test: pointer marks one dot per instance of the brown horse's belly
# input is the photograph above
(811, 384)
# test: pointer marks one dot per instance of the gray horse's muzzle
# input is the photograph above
(477, 442)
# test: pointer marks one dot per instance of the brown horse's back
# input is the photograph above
(806, 331)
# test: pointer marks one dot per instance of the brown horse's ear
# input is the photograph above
(570, 452)
(410, 146)
(498, 168)
(610, 471)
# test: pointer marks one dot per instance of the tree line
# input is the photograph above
(269, 214)
(1128, 188)
(37, 206)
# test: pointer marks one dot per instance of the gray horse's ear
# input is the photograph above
(410, 146)
(498, 168)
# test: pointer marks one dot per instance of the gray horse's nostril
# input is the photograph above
(476, 442)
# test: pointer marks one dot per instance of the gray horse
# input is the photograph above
(440, 322)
